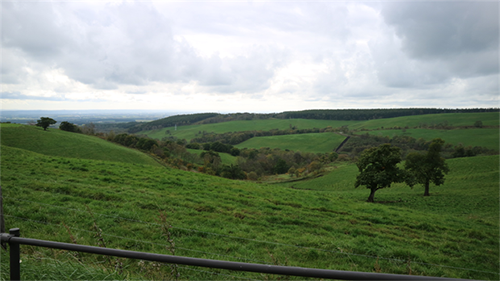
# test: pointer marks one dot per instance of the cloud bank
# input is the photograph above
(246, 56)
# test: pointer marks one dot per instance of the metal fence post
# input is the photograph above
(2, 221)
(15, 256)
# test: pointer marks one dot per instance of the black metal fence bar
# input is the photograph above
(238, 266)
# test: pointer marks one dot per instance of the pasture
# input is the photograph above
(453, 233)
(450, 119)
(485, 137)
(191, 131)
(316, 142)
(55, 142)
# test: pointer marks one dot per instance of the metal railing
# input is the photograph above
(14, 241)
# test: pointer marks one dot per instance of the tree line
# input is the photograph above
(368, 114)
(176, 120)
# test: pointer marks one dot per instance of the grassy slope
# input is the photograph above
(486, 137)
(189, 132)
(456, 227)
(454, 119)
(319, 142)
(55, 142)
(470, 189)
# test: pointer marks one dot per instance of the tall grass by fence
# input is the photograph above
(14, 240)
(225, 236)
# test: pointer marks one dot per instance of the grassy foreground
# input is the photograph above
(322, 223)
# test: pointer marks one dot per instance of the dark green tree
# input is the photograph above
(232, 172)
(70, 127)
(281, 167)
(429, 167)
(234, 151)
(378, 168)
(45, 122)
(211, 159)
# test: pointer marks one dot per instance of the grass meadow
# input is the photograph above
(320, 223)
(189, 132)
(452, 119)
(55, 142)
(485, 137)
(316, 142)
(74, 188)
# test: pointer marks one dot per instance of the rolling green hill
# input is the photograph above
(317, 143)
(321, 223)
(55, 142)
(189, 132)
(485, 137)
(451, 119)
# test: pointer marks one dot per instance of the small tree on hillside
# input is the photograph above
(378, 168)
(45, 122)
(70, 127)
(429, 167)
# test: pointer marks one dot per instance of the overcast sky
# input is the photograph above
(253, 56)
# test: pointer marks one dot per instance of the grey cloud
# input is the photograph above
(254, 23)
(126, 43)
(33, 27)
(19, 96)
(11, 68)
(246, 73)
(456, 33)
(395, 69)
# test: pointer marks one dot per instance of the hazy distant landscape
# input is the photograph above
(81, 117)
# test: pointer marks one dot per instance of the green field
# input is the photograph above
(55, 142)
(485, 137)
(452, 119)
(470, 191)
(456, 227)
(189, 132)
(317, 143)
(321, 223)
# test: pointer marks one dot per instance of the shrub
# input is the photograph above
(69, 127)
(252, 176)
